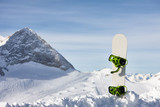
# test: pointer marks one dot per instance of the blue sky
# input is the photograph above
(82, 30)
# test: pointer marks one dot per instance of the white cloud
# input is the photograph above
(78, 41)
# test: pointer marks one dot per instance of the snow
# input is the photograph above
(3, 40)
(139, 77)
(34, 84)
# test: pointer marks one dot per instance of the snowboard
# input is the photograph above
(119, 62)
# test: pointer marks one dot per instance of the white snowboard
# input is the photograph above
(119, 48)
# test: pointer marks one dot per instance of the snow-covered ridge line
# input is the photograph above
(3, 40)
(138, 77)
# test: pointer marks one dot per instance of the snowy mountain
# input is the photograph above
(26, 46)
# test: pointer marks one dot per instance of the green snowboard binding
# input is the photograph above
(118, 62)
(118, 91)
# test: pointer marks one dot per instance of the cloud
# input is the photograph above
(79, 17)
(86, 41)
(78, 41)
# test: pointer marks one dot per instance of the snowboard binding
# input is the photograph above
(118, 62)
(118, 91)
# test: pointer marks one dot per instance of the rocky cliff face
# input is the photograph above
(24, 46)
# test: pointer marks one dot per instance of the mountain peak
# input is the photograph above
(25, 46)
(27, 30)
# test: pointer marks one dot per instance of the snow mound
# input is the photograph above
(131, 99)
(152, 95)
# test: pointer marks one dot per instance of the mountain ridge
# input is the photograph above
(25, 46)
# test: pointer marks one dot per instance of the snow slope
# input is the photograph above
(54, 87)
(27, 80)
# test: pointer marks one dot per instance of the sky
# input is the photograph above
(82, 30)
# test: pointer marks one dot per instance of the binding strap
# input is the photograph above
(118, 62)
